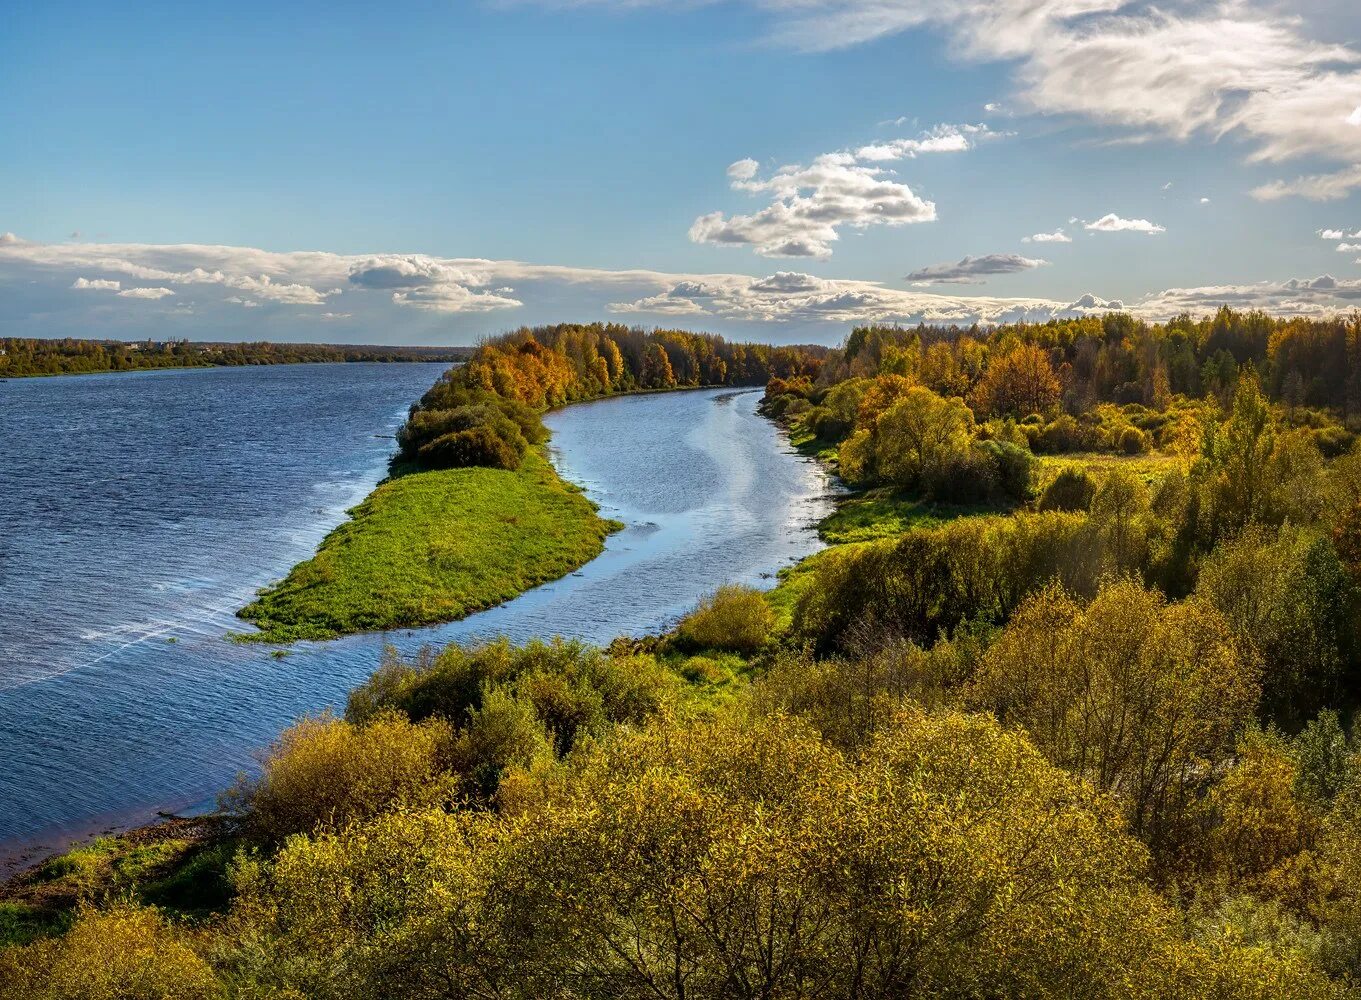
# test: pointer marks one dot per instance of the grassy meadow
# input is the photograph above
(434, 547)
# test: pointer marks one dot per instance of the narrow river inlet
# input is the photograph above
(139, 511)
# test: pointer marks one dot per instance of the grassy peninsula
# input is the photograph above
(432, 547)
(474, 513)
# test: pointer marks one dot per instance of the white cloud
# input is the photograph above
(743, 170)
(1112, 223)
(790, 297)
(1348, 247)
(809, 205)
(453, 298)
(1247, 69)
(1216, 68)
(1315, 187)
(1167, 186)
(941, 139)
(1321, 296)
(428, 283)
(145, 293)
(974, 270)
(9, 239)
(1057, 236)
(1204, 201)
(98, 284)
(41, 300)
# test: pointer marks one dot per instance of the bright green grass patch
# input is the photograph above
(1151, 468)
(884, 514)
(434, 547)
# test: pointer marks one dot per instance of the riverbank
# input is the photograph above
(430, 547)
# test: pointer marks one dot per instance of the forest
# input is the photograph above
(1064, 709)
(486, 413)
(21, 356)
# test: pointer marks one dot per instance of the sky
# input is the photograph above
(778, 170)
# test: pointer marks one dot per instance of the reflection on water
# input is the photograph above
(140, 511)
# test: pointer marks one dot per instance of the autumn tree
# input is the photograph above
(1018, 383)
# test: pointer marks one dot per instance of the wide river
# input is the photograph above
(138, 511)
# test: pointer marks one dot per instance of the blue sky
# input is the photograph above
(461, 168)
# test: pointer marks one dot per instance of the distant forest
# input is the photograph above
(26, 356)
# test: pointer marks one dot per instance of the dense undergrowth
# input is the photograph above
(1073, 727)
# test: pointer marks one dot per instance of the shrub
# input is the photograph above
(573, 688)
(1013, 468)
(1133, 441)
(932, 580)
(965, 476)
(1069, 675)
(325, 772)
(504, 733)
(469, 428)
(1334, 440)
(1063, 434)
(478, 446)
(1072, 489)
(733, 619)
(124, 951)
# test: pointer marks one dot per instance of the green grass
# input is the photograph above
(179, 865)
(433, 547)
(882, 513)
(1150, 468)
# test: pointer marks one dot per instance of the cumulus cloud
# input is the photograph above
(790, 297)
(1112, 223)
(973, 270)
(941, 139)
(98, 284)
(809, 204)
(427, 283)
(145, 293)
(405, 271)
(1321, 296)
(42, 300)
(1057, 236)
(453, 298)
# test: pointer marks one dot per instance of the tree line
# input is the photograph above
(486, 412)
(20, 356)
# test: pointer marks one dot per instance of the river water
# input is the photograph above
(138, 511)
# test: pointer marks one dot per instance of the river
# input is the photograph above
(138, 511)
